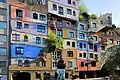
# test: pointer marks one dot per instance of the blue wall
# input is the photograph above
(83, 42)
(29, 51)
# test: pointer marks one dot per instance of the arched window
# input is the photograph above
(80, 54)
(26, 38)
(27, 63)
(20, 63)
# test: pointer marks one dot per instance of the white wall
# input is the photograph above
(65, 46)
(50, 10)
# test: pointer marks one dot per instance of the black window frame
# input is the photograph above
(26, 25)
(73, 44)
(38, 40)
(69, 1)
(84, 55)
(19, 13)
(69, 53)
(35, 16)
(21, 50)
(82, 64)
(19, 25)
(55, 7)
(60, 11)
(68, 43)
(25, 38)
(91, 55)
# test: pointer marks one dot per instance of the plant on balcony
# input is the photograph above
(93, 16)
(53, 42)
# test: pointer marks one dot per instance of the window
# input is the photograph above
(69, 1)
(84, 45)
(35, 16)
(19, 25)
(95, 38)
(38, 40)
(3, 38)
(54, 64)
(27, 63)
(59, 33)
(81, 35)
(101, 22)
(102, 47)
(80, 54)
(26, 38)
(20, 63)
(70, 53)
(74, 13)
(59, 22)
(94, 25)
(84, 55)
(3, 63)
(26, 25)
(95, 48)
(42, 17)
(91, 55)
(68, 43)
(69, 11)
(43, 40)
(96, 56)
(60, 10)
(111, 41)
(19, 13)
(81, 46)
(41, 28)
(55, 7)
(38, 75)
(37, 63)
(91, 46)
(93, 64)
(81, 27)
(43, 64)
(73, 2)
(16, 37)
(3, 51)
(82, 64)
(71, 34)
(19, 50)
(3, 25)
(73, 44)
(70, 64)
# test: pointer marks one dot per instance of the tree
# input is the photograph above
(93, 16)
(82, 8)
(53, 42)
(112, 61)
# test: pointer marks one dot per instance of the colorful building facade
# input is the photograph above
(4, 39)
(29, 30)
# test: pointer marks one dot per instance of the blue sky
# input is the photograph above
(104, 6)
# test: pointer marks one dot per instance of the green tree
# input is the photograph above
(82, 8)
(53, 42)
(93, 16)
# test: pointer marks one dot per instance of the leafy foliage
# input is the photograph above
(82, 8)
(54, 41)
(112, 60)
(93, 16)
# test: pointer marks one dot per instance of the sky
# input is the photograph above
(105, 6)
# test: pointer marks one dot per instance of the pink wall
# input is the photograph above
(85, 68)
